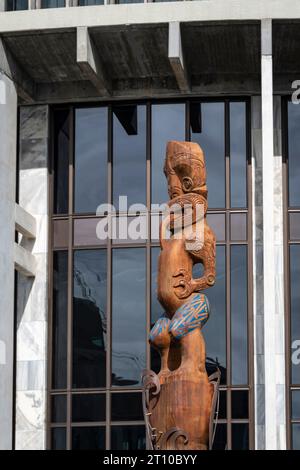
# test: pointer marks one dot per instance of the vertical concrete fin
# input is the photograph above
(176, 57)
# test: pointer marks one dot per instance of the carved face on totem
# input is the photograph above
(185, 169)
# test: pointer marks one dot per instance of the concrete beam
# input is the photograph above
(25, 262)
(89, 62)
(176, 57)
(25, 222)
(9, 66)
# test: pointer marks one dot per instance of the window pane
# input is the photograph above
(58, 439)
(126, 407)
(129, 229)
(60, 307)
(85, 232)
(212, 141)
(294, 154)
(239, 314)
(296, 436)
(128, 315)
(61, 161)
(89, 319)
(60, 233)
(88, 407)
(238, 227)
(239, 404)
(88, 438)
(58, 408)
(128, 437)
(220, 441)
(240, 436)
(129, 154)
(52, 3)
(156, 308)
(223, 405)
(90, 2)
(296, 404)
(215, 329)
(217, 224)
(294, 226)
(295, 309)
(168, 123)
(238, 155)
(90, 159)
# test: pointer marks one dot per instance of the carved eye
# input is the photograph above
(187, 183)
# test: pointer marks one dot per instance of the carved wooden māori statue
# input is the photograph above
(179, 402)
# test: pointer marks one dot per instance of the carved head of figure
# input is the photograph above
(185, 169)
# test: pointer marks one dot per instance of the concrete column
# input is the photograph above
(2, 5)
(273, 318)
(32, 293)
(8, 139)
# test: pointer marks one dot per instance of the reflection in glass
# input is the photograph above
(215, 329)
(128, 315)
(217, 224)
(88, 438)
(61, 161)
(90, 159)
(223, 405)
(16, 5)
(295, 309)
(129, 154)
(52, 3)
(240, 436)
(156, 308)
(58, 409)
(296, 436)
(294, 154)
(58, 439)
(220, 441)
(212, 142)
(294, 225)
(239, 404)
(60, 307)
(86, 3)
(89, 319)
(128, 437)
(129, 229)
(239, 315)
(168, 123)
(85, 232)
(126, 407)
(88, 407)
(60, 233)
(238, 227)
(296, 404)
(238, 155)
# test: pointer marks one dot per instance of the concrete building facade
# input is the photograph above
(65, 66)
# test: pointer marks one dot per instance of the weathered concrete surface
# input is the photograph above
(24, 261)
(8, 136)
(177, 58)
(25, 222)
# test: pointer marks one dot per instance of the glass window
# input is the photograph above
(294, 154)
(239, 404)
(52, 3)
(211, 139)
(59, 409)
(240, 436)
(88, 407)
(217, 224)
(220, 441)
(128, 437)
(156, 308)
(85, 232)
(89, 319)
(168, 123)
(15, 5)
(238, 227)
(61, 161)
(223, 405)
(90, 159)
(294, 225)
(296, 404)
(88, 438)
(58, 439)
(296, 436)
(239, 315)
(126, 407)
(129, 154)
(238, 155)
(86, 3)
(60, 308)
(128, 315)
(295, 309)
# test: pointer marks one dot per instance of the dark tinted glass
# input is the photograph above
(88, 438)
(86, 234)
(238, 227)
(238, 155)
(220, 441)
(168, 123)
(223, 405)
(212, 141)
(215, 329)
(128, 315)
(88, 407)
(58, 439)
(156, 308)
(296, 404)
(61, 161)
(89, 319)
(126, 407)
(90, 2)
(294, 225)
(58, 408)
(294, 154)
(60, 233)
(296, 436)
(129, 154)
(52, 3)
(90, 159)
(60, 307)
(15, 5)
(295, 309)
(128, 437)
(239, 404)
(129, 229)
(239, 315)
(240, 436)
